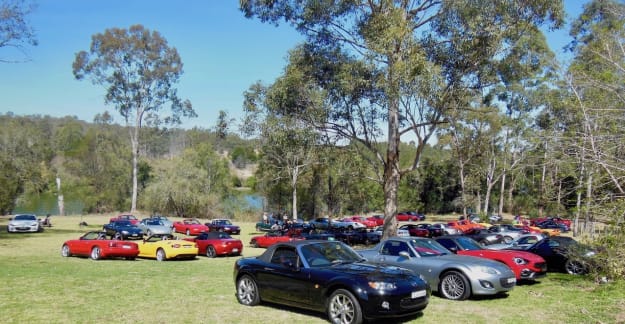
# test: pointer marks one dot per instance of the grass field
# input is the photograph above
(40, 286)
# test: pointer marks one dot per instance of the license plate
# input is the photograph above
(125, 246)
(418, 294)
(135, 234)
(235, 250)
(511, 280)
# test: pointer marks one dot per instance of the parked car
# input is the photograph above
(223, 225)
(267, 226)
(415, 230)
(123, 230)
(508, 232)
(400, 231)
(483, 236)
(127, 217)
(96, 246)
(558, 220)
(522, 241)
(563, 253)
(166, 247)
(362, 220)
(151, 226)
(213, 244)
(538, 230)
(432, 230)
(464, 225)
(526, 266)
(357, 236)
(454, 277)
(166, 221)
(190, 226)
(494, 218)
(551, 224)
(328, 276)
(446, 229)
(378, 219)
(326, 223)
(270, 238)
(24, 223)
(410, 216)
(316, 235)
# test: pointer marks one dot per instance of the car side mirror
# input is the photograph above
(404, 254)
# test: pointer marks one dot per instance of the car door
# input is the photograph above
(284, 278)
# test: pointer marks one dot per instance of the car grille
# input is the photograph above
(408, 303)
(506, 284)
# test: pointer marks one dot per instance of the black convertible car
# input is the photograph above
(329, 276)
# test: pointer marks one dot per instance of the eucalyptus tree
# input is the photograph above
(138, 69)
(596, 78)
(15, 31)
(404, 64)
(288, 147)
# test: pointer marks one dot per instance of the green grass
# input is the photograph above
(40, 286)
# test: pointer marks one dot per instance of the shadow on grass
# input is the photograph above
(324, 316)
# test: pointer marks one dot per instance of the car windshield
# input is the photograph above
(154, 222)
(223, 222)
(428, 248)
(467, 243)
(25, 217)
(328, 253)
(123, 223)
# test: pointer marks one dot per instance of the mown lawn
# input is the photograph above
(40, 286)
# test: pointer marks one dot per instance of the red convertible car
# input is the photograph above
(525, 265)
(415, 230)
(96, 246)
(213, 244)
(190, 226)
(129, 217)
(369, 223)
(264, 241)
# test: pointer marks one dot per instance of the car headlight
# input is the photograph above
(518, 260)
(488, 270)
(381, 285)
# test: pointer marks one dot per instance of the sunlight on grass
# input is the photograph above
(40, 286)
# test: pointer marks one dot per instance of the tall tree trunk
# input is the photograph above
(294, 187)
(134, 139)
(392, 174)
(501, 192)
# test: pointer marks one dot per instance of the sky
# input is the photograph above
(223, 53)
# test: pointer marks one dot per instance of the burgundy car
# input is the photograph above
(213, 244)
(415, 230)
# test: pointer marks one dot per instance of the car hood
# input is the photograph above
(371, 270)
(23, 222)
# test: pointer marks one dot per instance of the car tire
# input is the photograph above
(507, 239)
(343, 307)
(483, 242)
(95, 253)
(210, 251)
(255, 244)
(118, 236)
(575, 267)
(454, 285)
(65, 251)
(188, 232)
(247, 291)
(160, 255)
(149, 233)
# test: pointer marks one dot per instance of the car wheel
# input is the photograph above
(149, 233)
(210, 251)
(118, 236)
(160, 255)
(65, 251)
(507, 239)
(247, 291)
(257, 228)
(455, 286)
(188, 232)
(343, 307)
(483, 242)
(221, 229)
(255, 244)
(95, 253)
(575, 267)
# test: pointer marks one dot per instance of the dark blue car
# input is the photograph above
(330, 277)
(123, 230)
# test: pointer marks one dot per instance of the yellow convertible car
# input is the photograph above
(165, 247)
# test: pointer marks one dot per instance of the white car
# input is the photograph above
(400, 232)
(151, 226)
(24, 223)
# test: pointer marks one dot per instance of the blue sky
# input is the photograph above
(223, 54)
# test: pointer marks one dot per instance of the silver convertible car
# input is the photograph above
(453, 276)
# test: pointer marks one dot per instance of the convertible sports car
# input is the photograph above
(522, 242)
(223, 225)
(455, 277)
(127, 217)
(96, 246)
(328, 276)
(263, 241)
(213, 244)
(123, 229)
(190, 226)
(24, 223)
(369, 223)
(526, 266)
(166, 247)
(415, 230)
(563, 253)
(151, 226)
